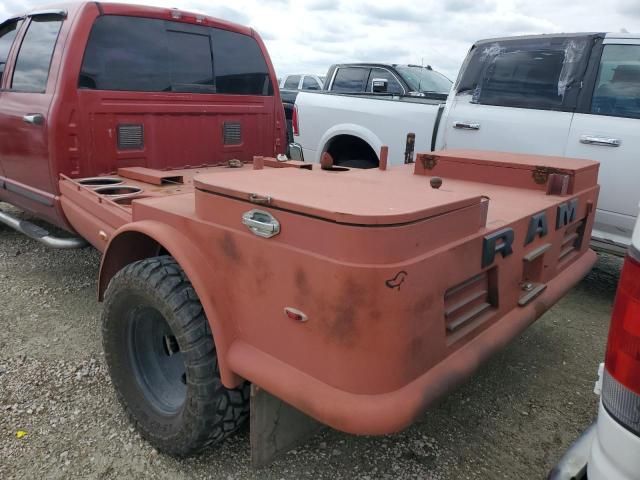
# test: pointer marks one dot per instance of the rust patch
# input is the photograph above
(343, 321)
(229, 247)
(540, 308)
(302, 283)
(302, 287)
(262, 274)
(415, 354)
(421, 308)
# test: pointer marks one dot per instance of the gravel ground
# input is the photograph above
(511, 420)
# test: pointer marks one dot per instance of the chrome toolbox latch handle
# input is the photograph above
(261, 223)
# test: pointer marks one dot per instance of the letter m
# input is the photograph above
(567, 213)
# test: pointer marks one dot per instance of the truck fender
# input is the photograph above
(353, 130)
(144, 239)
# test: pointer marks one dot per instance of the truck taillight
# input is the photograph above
(294, 121)
(621, 387)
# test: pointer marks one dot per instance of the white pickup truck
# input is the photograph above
(573, 95)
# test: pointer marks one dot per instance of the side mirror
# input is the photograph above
(379, 85)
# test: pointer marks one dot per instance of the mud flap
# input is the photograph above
(276, 427)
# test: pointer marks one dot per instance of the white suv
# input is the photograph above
(610, 449)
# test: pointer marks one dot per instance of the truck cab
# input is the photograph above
(92, 87)
(389, 79)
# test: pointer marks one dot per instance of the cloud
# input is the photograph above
(394, 13)
(466, 6)
(380, 55)
(219, 11)
(310, 35)
(629, 7)
(268, 36)
(323, 5)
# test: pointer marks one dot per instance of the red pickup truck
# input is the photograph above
(357, 297)
(90, 88)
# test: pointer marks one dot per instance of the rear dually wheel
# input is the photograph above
(162, 359)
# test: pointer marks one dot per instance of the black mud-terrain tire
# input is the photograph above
(162, 359)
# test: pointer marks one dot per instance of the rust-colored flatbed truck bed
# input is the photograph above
(358, 296)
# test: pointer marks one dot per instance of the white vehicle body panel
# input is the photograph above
(508, 129)
(377, 121)
(615, 451)
(619, 171)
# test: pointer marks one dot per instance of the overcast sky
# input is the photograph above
(309, 35)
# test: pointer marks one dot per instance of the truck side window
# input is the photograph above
(350, 80)
(617, 90)
(149, 55)
(524, 78)
(393, 86)
(34, 57)
(8, 33)
(292, 82)
(543, 73)
(310, 83)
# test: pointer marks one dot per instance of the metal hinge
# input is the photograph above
(541, 174)
(429, 162)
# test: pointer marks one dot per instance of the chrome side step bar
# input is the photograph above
(41, 235)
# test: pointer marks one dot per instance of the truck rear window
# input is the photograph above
(534, 72)
(150, 55)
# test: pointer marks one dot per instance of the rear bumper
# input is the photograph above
(395, 410)
(615, 452)
(573, 464)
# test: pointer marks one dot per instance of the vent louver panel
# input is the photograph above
(130, 137)
(572, 240)
(468, 303)
(232, 133)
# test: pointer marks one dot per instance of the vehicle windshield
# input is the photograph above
(423, 79)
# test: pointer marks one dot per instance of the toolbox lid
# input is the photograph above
(359, 197)
(509, 169)
(517, 160)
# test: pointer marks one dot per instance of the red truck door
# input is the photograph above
(24, 105)
(8, 32)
